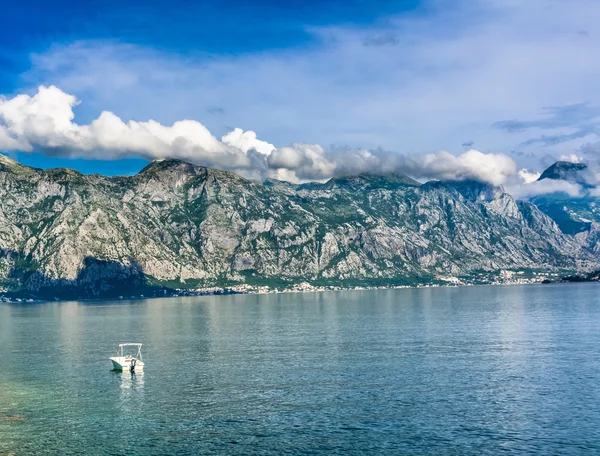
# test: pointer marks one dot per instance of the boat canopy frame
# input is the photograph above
(121, 353)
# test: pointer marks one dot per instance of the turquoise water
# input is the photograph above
(480, 370)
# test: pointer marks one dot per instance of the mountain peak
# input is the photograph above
(394, 178)
(171, 172)
(564, 170)
(8, 164)
(7, 161)
(471, 189)
(366, 180)
(163, 164)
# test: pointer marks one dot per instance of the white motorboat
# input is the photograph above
(125, 361)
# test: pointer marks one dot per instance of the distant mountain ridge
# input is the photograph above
(575, 215)
(564, 170)
(177, 225)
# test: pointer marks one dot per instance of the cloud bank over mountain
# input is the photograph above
(546, 186)
(45, 122)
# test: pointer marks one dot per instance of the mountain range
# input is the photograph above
(176, 225)
(576, 216)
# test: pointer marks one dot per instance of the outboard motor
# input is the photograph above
(132, 366)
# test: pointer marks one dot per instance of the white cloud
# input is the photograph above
(8, 143)
(545, 186)
(45, 122)
(246, 140)
(573, 158)
(528, 176)
(473, 164)
(313, 162)
(307, 161)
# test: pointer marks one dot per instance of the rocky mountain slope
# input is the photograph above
(64, 234)
(577, 216)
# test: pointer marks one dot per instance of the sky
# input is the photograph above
(303, 90)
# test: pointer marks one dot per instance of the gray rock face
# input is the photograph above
(578, 216)
(179, 225)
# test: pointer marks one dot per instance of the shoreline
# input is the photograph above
(298, 288)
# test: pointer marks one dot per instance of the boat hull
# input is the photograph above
(124, 364)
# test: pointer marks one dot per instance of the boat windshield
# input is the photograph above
(128, 349)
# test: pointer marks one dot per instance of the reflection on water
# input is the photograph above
(431, 371)
(131, 380)
(132, 393)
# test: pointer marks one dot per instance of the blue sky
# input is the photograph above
(216, 26)
(408, 77)
(183, 28)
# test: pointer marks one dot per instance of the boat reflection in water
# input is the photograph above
(131, 396)
(132, 381)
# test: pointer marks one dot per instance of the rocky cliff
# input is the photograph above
(179, 225)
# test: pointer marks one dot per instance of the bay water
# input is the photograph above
(469, 370)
